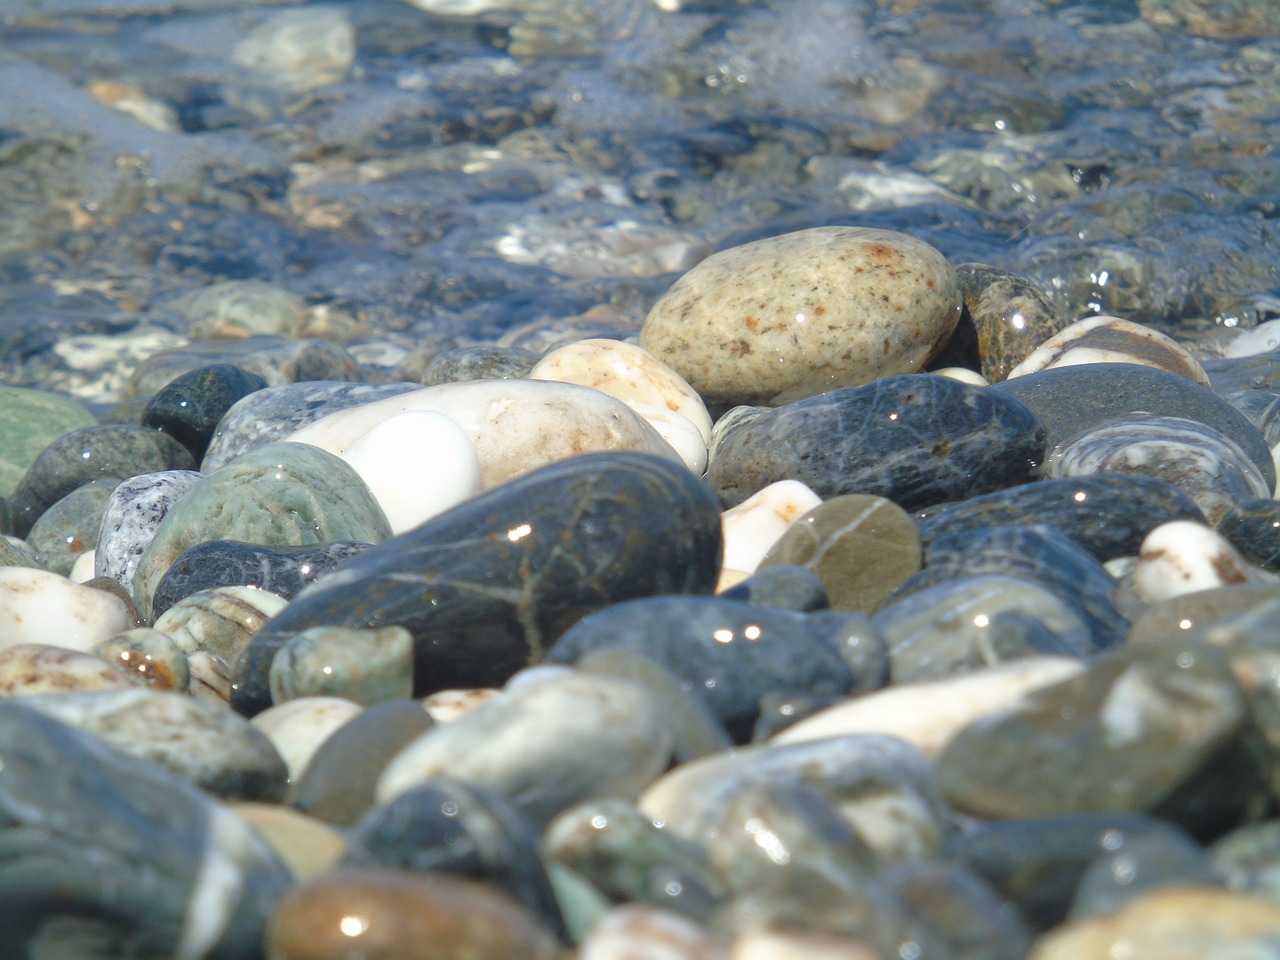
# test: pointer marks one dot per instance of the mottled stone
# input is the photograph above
(282, 570)
(545, 746)
(1253, 527)
(1105, 339)
(149, 655)
(337, 785)
(803, 313)
(189, 407)
(234, 309)
(1010, 317)
(203, 742)
(488, 586)
(32, 669)
(299, 727)
(447, 826)
(916, 440)
(220, 620)
(90, 832)
(480, 362)
(1107, 514)
(37, 606)
(70, 527)
(130, 520)
(287, 493)
(1202, 462)
(1154, 728)
(734, 654)
(395, 915)
(277, 360)
(30, 420)
(366, 666)
(87, 454)
(861, 546)
(1069, 400)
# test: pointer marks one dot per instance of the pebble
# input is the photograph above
(70, 527)
(479, 362)
(189, 407)
(299, 49)
(219, 621)
(1251, 527)
(1185, 557)
(31, 669)
(239, 309)
(306, 847)
(504, 574)
(639, 932)
(783, 586)
(37, 606)
(277, 359)
(755, 525)
(916, 440)
(132, 515)
(298, 728)
(30, 420)
(365, 666)
(1106, 339)
(791, 316)
(1194, 614)
(1118, 877)
(149, 655)
(1009, 314)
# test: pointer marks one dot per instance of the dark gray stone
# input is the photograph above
(1253, 527)
(189, 407)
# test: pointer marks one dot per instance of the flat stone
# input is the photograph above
(1106, 339)
(804, 313)
(306, 846)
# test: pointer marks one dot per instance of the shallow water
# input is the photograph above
(425, 178)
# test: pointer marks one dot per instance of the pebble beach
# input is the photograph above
(639, 480)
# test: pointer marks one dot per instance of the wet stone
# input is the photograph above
(366, 666)
(70, 527)
(32, 669)
(298, 728)
(1009, 315)
(220, 620)
(88, 454)
(1142, 864)
(1153, 729)
(860, 546)
(30, 420)
(130, 520)
(1194, 614)
(282, 570)
(1253, 527)
(784, 586)
(1107, 514)
(480, 362)
(916, 440)
(189, 407)
(37, 606)
(448, 826)
(1248, 859)
(1186, 557)
(149, 655)
(733, 654)
(1105, 339)
(174, 871)
(306, 846)
(1262, 407)
(486, 587)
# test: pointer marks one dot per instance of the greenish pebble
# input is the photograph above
(278, 495)
(581, 904)
(367, 666)
(149, 654)
(15, 552)
(861, 546)
(30, 420)
(1191, 614)
(220, 620)
(70, 527)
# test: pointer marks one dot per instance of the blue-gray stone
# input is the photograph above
(1118, 877)
(488, 586)
(70, 527)
(189, 407)
(785, 586)
(282, 570)
(1107, 514)
(1253, 527)
(1262, 407)
(916, 440)
(733, 654)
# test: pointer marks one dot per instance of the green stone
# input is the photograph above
(283, 494)
(70, 527)
(30, 420)
(367, 666)
(861, 546)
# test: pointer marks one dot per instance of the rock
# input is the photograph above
(488, 586)
(132, 515)
(237, 309)
(148, 655)
(916, 440)
(648, 933)
(1009, 314)
(754, 525)
(219, 621)
(189, 407)
(281, 494)
(298, 728)
(166, 870)
(1105, 339)
(41, 607)
(1118, 877)
(365, 666)
(1211, 18)
(30, 420)
(307, 847)
(480, 362)
(800, 314)
(783, 586)
(299, 49)
(1245, 860)
(1186, 557)
(1250, 525)
(70, 527)
(32, 669)
(276, 359)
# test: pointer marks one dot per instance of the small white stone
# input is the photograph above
(82, 569)
(297, 728)
(1106, 339)
(789, 945)
(928, 714)
(637, 931)
(755, 525)
(1263, 338)
(416, 464)
(446, 706)
(37, 606)
(963, 374)
(1185, 557)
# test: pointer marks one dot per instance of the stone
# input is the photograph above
(1069, 400)
(149, 655)
(204, 743)
(487, 587)
(545, 747)
(1247, 859)
(1118, 877)
(1107, 514)
(479, 362)
(861, 546)
(70, 527)
(219, 621)
(792, 316)
(783, 586)
(280, 494)
(306, 846)
(132, 515)
(37, 606)
(299, 49)
(1106, 339)
(1194, 614)
(189, 407)
(236, 309)
(365, 666)
(32, 669)
(1250, 525)
(1209, 18)
(645, 932)
(1154, 728)
(87, 454)
(1009, 314)
(916, 440)
(1186, 557)
(282, 570)
(754, 525)
(396, 915)
(166, 869)
(30, 420)
(299, 727)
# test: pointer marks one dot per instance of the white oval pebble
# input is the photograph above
(82, 570)
(1106, 339)
(1185, 557)
(37, 606)
(755, 525)
(297, 728)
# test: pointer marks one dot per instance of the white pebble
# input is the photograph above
(1185, 557)
(755, 525)
(297, 728)
(1106, 339)
(1263, 338)
(37, 606)
(82, 570)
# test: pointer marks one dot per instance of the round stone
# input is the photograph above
(30, 420)
(1112, 340)
(799, 314)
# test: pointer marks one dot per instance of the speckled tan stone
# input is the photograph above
(799, 314)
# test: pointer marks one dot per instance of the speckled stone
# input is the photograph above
(733, 654)
(481, 362)
(1253, 527)
(861, 546)
(30, 420)
(149, 655)
(220, 620)
(70, 527)
(32, 669)
(1107, 514)
(1009, 315)
(282, 570)
(87, 454)
(1155, 728)
(366, 666)
(916, 440)
(189, 407)
(1105, 339)
(286, 493)
(803, 313)
(1069, 400)
(179, 875)
(448, 826)
(131, 517)
(488, 586)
